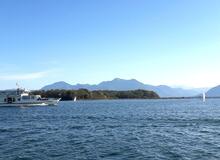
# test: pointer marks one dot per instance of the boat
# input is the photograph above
(204, 97)
(23, 98)
(74, 99)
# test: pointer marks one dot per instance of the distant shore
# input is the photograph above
(188, 97)
(84, 94)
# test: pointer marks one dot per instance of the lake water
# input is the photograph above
(114, 129)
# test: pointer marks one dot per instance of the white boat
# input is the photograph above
(74, 99)
(22, 97)
(204, 97)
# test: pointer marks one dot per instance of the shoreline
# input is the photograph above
(163, 98)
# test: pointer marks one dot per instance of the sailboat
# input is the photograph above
(74, 99)
(204, 97)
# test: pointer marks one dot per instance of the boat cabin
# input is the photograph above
(12, 96)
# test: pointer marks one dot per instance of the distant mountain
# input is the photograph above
(123, 85)
(58, 85)
(214, 92)
(120, 85)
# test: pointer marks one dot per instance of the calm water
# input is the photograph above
(126, 129)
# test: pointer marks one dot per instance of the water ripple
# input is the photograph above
(128, 129)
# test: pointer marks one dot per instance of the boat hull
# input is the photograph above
(52, 102)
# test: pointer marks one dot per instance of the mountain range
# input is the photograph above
(214, 92)
(123, 85)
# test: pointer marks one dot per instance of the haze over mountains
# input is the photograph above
(123, 85)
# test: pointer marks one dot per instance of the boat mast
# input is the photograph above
(18, 88)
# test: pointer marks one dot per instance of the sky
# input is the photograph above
(172, 42)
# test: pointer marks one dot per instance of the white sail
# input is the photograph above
(75, 99)
(204, 97)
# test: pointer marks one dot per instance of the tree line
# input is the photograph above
(85, 94)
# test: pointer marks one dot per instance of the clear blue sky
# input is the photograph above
(170, 42)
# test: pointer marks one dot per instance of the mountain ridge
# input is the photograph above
(213, 92)
(118, 84)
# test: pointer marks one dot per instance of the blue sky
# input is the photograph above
(157, 42)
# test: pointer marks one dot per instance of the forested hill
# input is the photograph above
(102, 94)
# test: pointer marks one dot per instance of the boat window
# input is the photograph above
(19, 99)
(25, 97)
(9, 100)
(13, 99)
(5, 99)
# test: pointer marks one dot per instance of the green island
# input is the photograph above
(84, 94)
